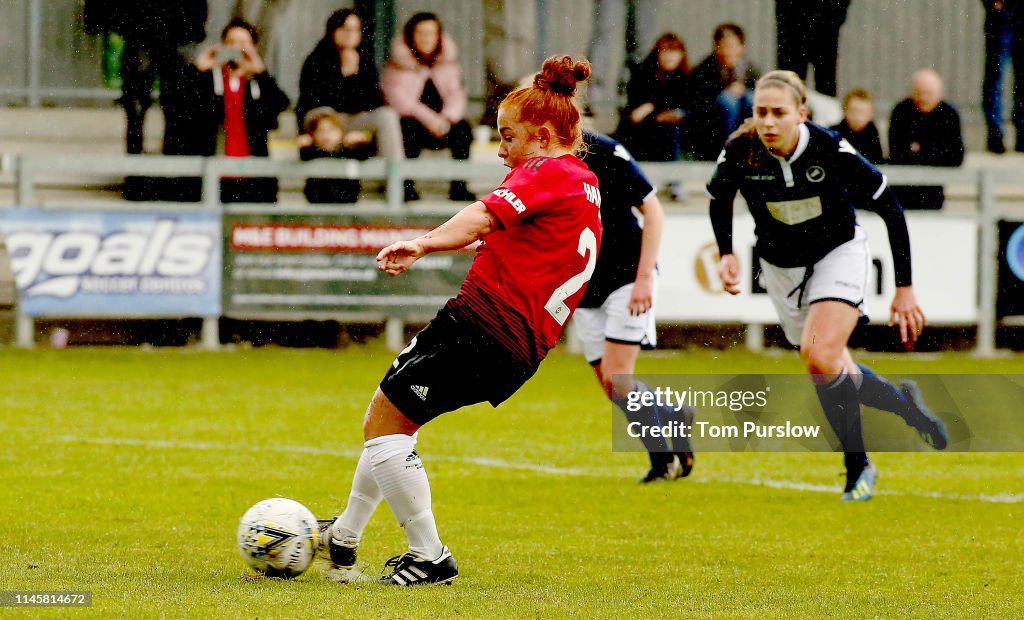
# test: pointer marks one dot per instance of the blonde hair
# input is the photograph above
(786, 80)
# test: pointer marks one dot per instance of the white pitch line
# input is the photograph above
(788, 485)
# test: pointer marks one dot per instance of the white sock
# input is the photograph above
(362, 502)
(403, 481)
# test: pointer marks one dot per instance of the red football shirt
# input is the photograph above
(528, 277)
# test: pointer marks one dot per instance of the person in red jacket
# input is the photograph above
(539, 233)
(423, 83)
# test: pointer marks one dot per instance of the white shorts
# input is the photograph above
(841, 275)
(612, 322)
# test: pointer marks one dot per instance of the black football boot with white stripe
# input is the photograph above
(410, 570)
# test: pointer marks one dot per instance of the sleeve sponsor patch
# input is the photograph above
(511, 198)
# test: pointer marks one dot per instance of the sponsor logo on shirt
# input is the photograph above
(795, 211)
(511, 198)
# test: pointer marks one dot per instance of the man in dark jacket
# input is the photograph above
(924, 130)
(236, 105)
(722, 87)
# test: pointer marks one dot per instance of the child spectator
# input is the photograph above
(858, 125)
(327, 137)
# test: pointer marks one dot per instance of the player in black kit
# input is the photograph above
(802, 183)
(615, 318)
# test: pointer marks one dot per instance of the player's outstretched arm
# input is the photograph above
(465, 227)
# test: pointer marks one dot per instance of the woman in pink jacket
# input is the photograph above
(423, 83)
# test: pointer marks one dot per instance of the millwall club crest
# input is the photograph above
(815, 174)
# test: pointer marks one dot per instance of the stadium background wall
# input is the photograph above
(49, 58)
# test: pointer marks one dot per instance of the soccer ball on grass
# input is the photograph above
(278, 537)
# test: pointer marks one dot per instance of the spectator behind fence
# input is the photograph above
(327, 136)
(1004, 40)
(340, 74)
(423, 82)
(808, 35)
(237, 104)
(858, 125)
(924, 130)
(722, 86)
(657, 100)
(157, 39)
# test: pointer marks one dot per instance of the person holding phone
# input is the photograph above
(237, 104)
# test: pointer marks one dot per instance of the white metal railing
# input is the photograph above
(27, 168)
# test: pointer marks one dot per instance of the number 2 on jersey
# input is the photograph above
(556, 303)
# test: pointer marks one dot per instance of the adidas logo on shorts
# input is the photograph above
(420, 390)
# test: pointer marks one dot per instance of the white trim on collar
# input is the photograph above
(801, 145)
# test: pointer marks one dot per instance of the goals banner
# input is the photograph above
(111, 264)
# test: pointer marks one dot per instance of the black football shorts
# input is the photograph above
(448, 365)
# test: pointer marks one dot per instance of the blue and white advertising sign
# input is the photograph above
(116, 265)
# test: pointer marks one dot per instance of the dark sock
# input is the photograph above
(875, 391)
(667, 414)
(657, 447)
(842, 410)
(855, 463)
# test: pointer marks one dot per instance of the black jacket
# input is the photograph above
(705, 120)
(648, 84)
(172, 21)
(867, 141)
(938, 134)
(321, 83)
(264, 101)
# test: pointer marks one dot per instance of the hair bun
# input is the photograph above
(560, 74)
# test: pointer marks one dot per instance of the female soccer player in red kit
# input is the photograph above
(539, 232)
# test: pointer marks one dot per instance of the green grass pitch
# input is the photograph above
(124, 472)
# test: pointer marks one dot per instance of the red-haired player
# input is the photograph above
(540, 231)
